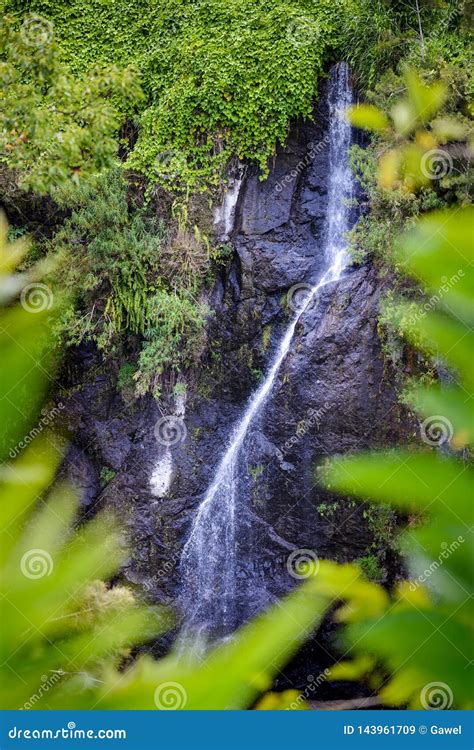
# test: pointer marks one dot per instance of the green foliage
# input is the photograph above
(230, 678)
(57, 130)
(57, 620)
(109, 259)
(66, 635)
(222, 78)
(23, 328)
(377, 35)
(125, 376)
(424, 156)
(370, 38)
(175, 336)
(240, 74)
(106, 476)
(436, 622)
(58, 623)
(127, 275)
(371, 567)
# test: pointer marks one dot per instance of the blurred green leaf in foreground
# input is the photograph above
(66, 635)
(416, 649)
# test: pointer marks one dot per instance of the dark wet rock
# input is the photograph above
(83, 473)
(333, 394)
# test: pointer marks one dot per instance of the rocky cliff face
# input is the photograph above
(332, 395)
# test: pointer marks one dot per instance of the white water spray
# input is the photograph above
(209, 565)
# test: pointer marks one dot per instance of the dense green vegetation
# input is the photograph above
(120, 115)
(431, 665)
(57, 131)
(186, 90)
(222, 78)
(129, 276)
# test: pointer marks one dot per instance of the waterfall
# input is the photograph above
(211, 585)
(224, 214)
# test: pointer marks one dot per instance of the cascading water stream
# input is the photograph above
(209, 563)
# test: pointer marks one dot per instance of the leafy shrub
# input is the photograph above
(175, 336)
(127, 275)
(424, 157)
(125, 375)
(57, 130)
(371, 568)
(434, 609)
(377, 36)
(110, 257)
(222, 78)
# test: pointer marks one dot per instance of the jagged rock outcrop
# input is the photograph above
(332, 395)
